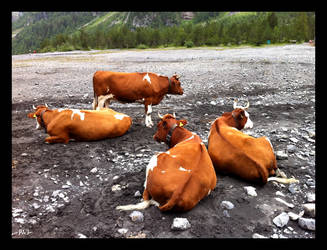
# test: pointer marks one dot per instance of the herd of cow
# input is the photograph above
(180, 177)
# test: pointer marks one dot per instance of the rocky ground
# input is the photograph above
(71, 191)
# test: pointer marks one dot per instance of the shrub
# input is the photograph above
(189, 44)
(142, 46)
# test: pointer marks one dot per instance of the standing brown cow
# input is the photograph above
(145, 88)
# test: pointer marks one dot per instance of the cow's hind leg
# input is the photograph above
(148, 111)
(57, 139)
(104, 101)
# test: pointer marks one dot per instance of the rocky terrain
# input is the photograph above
(71, 191)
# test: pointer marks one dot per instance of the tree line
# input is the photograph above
(253, 29)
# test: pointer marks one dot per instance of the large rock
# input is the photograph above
(180, 224)
(308, 224)
(136, 216)
(227, 205)
(309, 209)
(250, 190)
(281, 220)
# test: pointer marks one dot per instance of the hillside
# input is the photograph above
(51, 31)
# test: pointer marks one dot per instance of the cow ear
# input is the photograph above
(181, 123)
(31, 115)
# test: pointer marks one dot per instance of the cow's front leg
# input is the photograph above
(148, 111)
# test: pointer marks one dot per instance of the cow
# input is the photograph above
(233, 152)
(145, 88)
(180, 177)
(80, 125)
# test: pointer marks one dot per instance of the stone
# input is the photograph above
(290, 205)
(81, 236)
(250, 190)
(115, 188)
(137, 194)
(227, 205)
(137, 216)
(281, 220)
(293, 188)
(94, 170)
(258, 236)
(293, 216)
(308, 224)
(281, 155)
(122, 230)
(292, 139)
(180, 224)
(311, 197)
(291, 148)
(309, 209)
(225, 213)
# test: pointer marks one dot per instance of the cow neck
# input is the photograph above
(236, 121)
(169, 86)
(170, 133)
(42, 124)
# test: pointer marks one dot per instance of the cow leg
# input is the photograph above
(57, 139)
(101, 101)
(148, 111)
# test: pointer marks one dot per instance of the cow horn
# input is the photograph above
(46, 105)
(160, 116)
(235, 104)
(247, 106)
(34, 107)
(174, 115)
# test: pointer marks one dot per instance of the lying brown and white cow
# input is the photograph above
(81, 125)
(180, 177)
(236, 153)
(145, 88)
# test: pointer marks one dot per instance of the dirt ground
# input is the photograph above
(66, 191)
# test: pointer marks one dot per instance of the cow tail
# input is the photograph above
(176, 195)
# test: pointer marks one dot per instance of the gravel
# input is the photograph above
(65, 191)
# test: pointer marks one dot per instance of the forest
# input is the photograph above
(205, 29)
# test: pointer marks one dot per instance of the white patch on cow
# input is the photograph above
(59, 110)
(120, 116)
(78, 112)
(152, 164)
(147, 77)
(249, 123)
(148, 120)
(190, 138)
(183, 169)
(38, 126)
(163, 171)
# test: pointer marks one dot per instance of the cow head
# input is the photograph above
(39, 110)
(164, 126)
(241, 117)
(175, 85)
